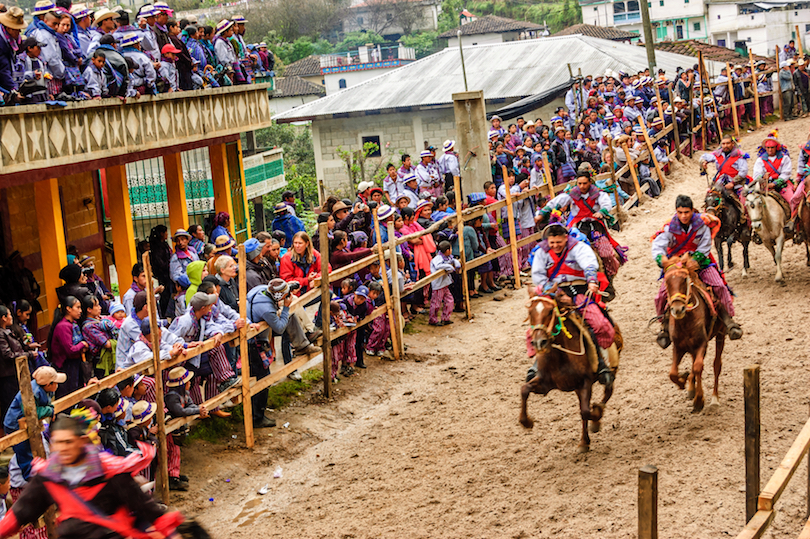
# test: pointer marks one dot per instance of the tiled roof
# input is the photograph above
(296, 86)
(305, 67)
(691, 47)
(491, 25)
(602, 32)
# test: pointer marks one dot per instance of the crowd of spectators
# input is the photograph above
(69, 52)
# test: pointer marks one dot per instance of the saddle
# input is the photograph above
(572, 315)
(777, 196)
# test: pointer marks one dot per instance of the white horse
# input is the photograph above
(768, 222)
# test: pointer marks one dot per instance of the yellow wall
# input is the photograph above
(80, 222)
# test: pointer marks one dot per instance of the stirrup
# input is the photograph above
(663, 339)
(532, 373)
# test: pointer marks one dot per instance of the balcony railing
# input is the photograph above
(368, 58)
(626, 17)
(39, 137)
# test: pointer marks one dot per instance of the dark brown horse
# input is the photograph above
(562, 363)
(720, 203)
(692, 324)
(803, 222)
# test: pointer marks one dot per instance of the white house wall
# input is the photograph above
(480, 39)
(283, 104)
(352, 78)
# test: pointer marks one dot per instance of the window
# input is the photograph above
(679, 32)
(649, 4)
(342, 83)
(721, 42)
(718, 16)
(696, 27)
(390, 17)
(806, 28)
(373, 140)
(661, 3)
(596, 9)
(360, 21)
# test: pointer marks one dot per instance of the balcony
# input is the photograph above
(45, 140)
(627, 17)
(368, 57)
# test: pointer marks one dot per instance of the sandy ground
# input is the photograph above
(433, 448)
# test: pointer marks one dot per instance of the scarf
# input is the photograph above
(162, 28)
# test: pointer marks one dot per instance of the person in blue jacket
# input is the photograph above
(287, 223)
(222, 227)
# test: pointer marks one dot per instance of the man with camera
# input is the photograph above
(359, 218)
(271, 303)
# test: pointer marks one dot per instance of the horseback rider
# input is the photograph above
(688, 233)
(774, 168)
(586, 201)
(732, 169)
(571, 265)
(801, 175)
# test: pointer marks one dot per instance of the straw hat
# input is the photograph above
(223, 243)
(43, 6)
(142, 412)
(448, 145)
(223, 25)
(104, 14)
(384, 212)
(179, 376)
(13, 18)
(339, 205)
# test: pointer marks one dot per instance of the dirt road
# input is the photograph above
(433, 449)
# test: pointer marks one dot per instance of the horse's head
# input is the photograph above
(541, 321)
(678, 276)
(713, 202)
(756, 205)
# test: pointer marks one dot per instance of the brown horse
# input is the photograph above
(692, 324)
(562, 363)
(803, 222)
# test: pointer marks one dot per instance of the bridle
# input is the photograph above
(556, 325)
(720, 204)
(678, 269)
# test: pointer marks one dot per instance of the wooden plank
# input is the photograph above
(779, 480)
(674, 124)
(392, 324)
(350, 269)
(652, 152)
(805, 531)
(465, 289)
(297, 363)
(549, 177)
(779, 91)
(247, 404)
(326, 317)
(379, 311)
(33, 429)
(752, 439)
(632, 200)
(756, 526)
(510, 219)
(648, 502)
(162, 478)
(632, 166)
(500, 251)
(398, 344)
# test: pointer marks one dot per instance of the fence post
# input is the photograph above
(648, 502)
(399, 343)
(779, 88)
(615, 180)
(510, 221)
(676, 132)
(162, 486)
(714, 101)
(321, 193)
(691, 79)
(549, 179)
(807, 515)
(659, 103)
(652, 152)
(702, 104)
(733, 100)
(751, 397)
(326, 315)
(754, 81)
(34, 430)
(392, 324)
(632, 167)
(247, 404)
(465, 288)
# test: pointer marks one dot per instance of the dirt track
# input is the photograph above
(433, 449)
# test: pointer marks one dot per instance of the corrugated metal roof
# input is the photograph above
(504, 70)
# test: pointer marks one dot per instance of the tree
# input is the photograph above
(352, 40)
(293, 19)
(424, 43)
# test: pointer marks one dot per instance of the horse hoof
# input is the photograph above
(698, 407)
(690, 394)
(745, 272)
(528, 423)
(595, 426)
(583, 449)
(715, 402)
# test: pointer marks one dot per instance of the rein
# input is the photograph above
(678, 269)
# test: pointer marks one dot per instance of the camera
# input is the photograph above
(372, 205)
(294, 285)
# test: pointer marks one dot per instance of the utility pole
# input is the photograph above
(648, 37)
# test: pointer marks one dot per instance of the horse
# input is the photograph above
(721, 204)
(803, 222)
(767, 222)
(693, 322)
(562, 362)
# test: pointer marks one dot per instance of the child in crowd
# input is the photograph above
(501, 266)
(113, 434)
(441, 298)
(359, 305)
(179, 404)
(44, 382)
(94, 77)
(343, 348)
(380, 328)
(168, 78)
(142, 428)
(36, 75)
(117, 314)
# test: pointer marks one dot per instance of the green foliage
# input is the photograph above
(558, 14)
(280, 395)
(352, 40)
(298, 49)
(448, 18)
(424, 43)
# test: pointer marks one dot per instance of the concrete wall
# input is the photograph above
(82, 227)
(480, 39)
(762, 32)
(283, 104)
(352, 78)
(400, 132)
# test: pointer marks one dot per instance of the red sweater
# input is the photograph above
(290, 271)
